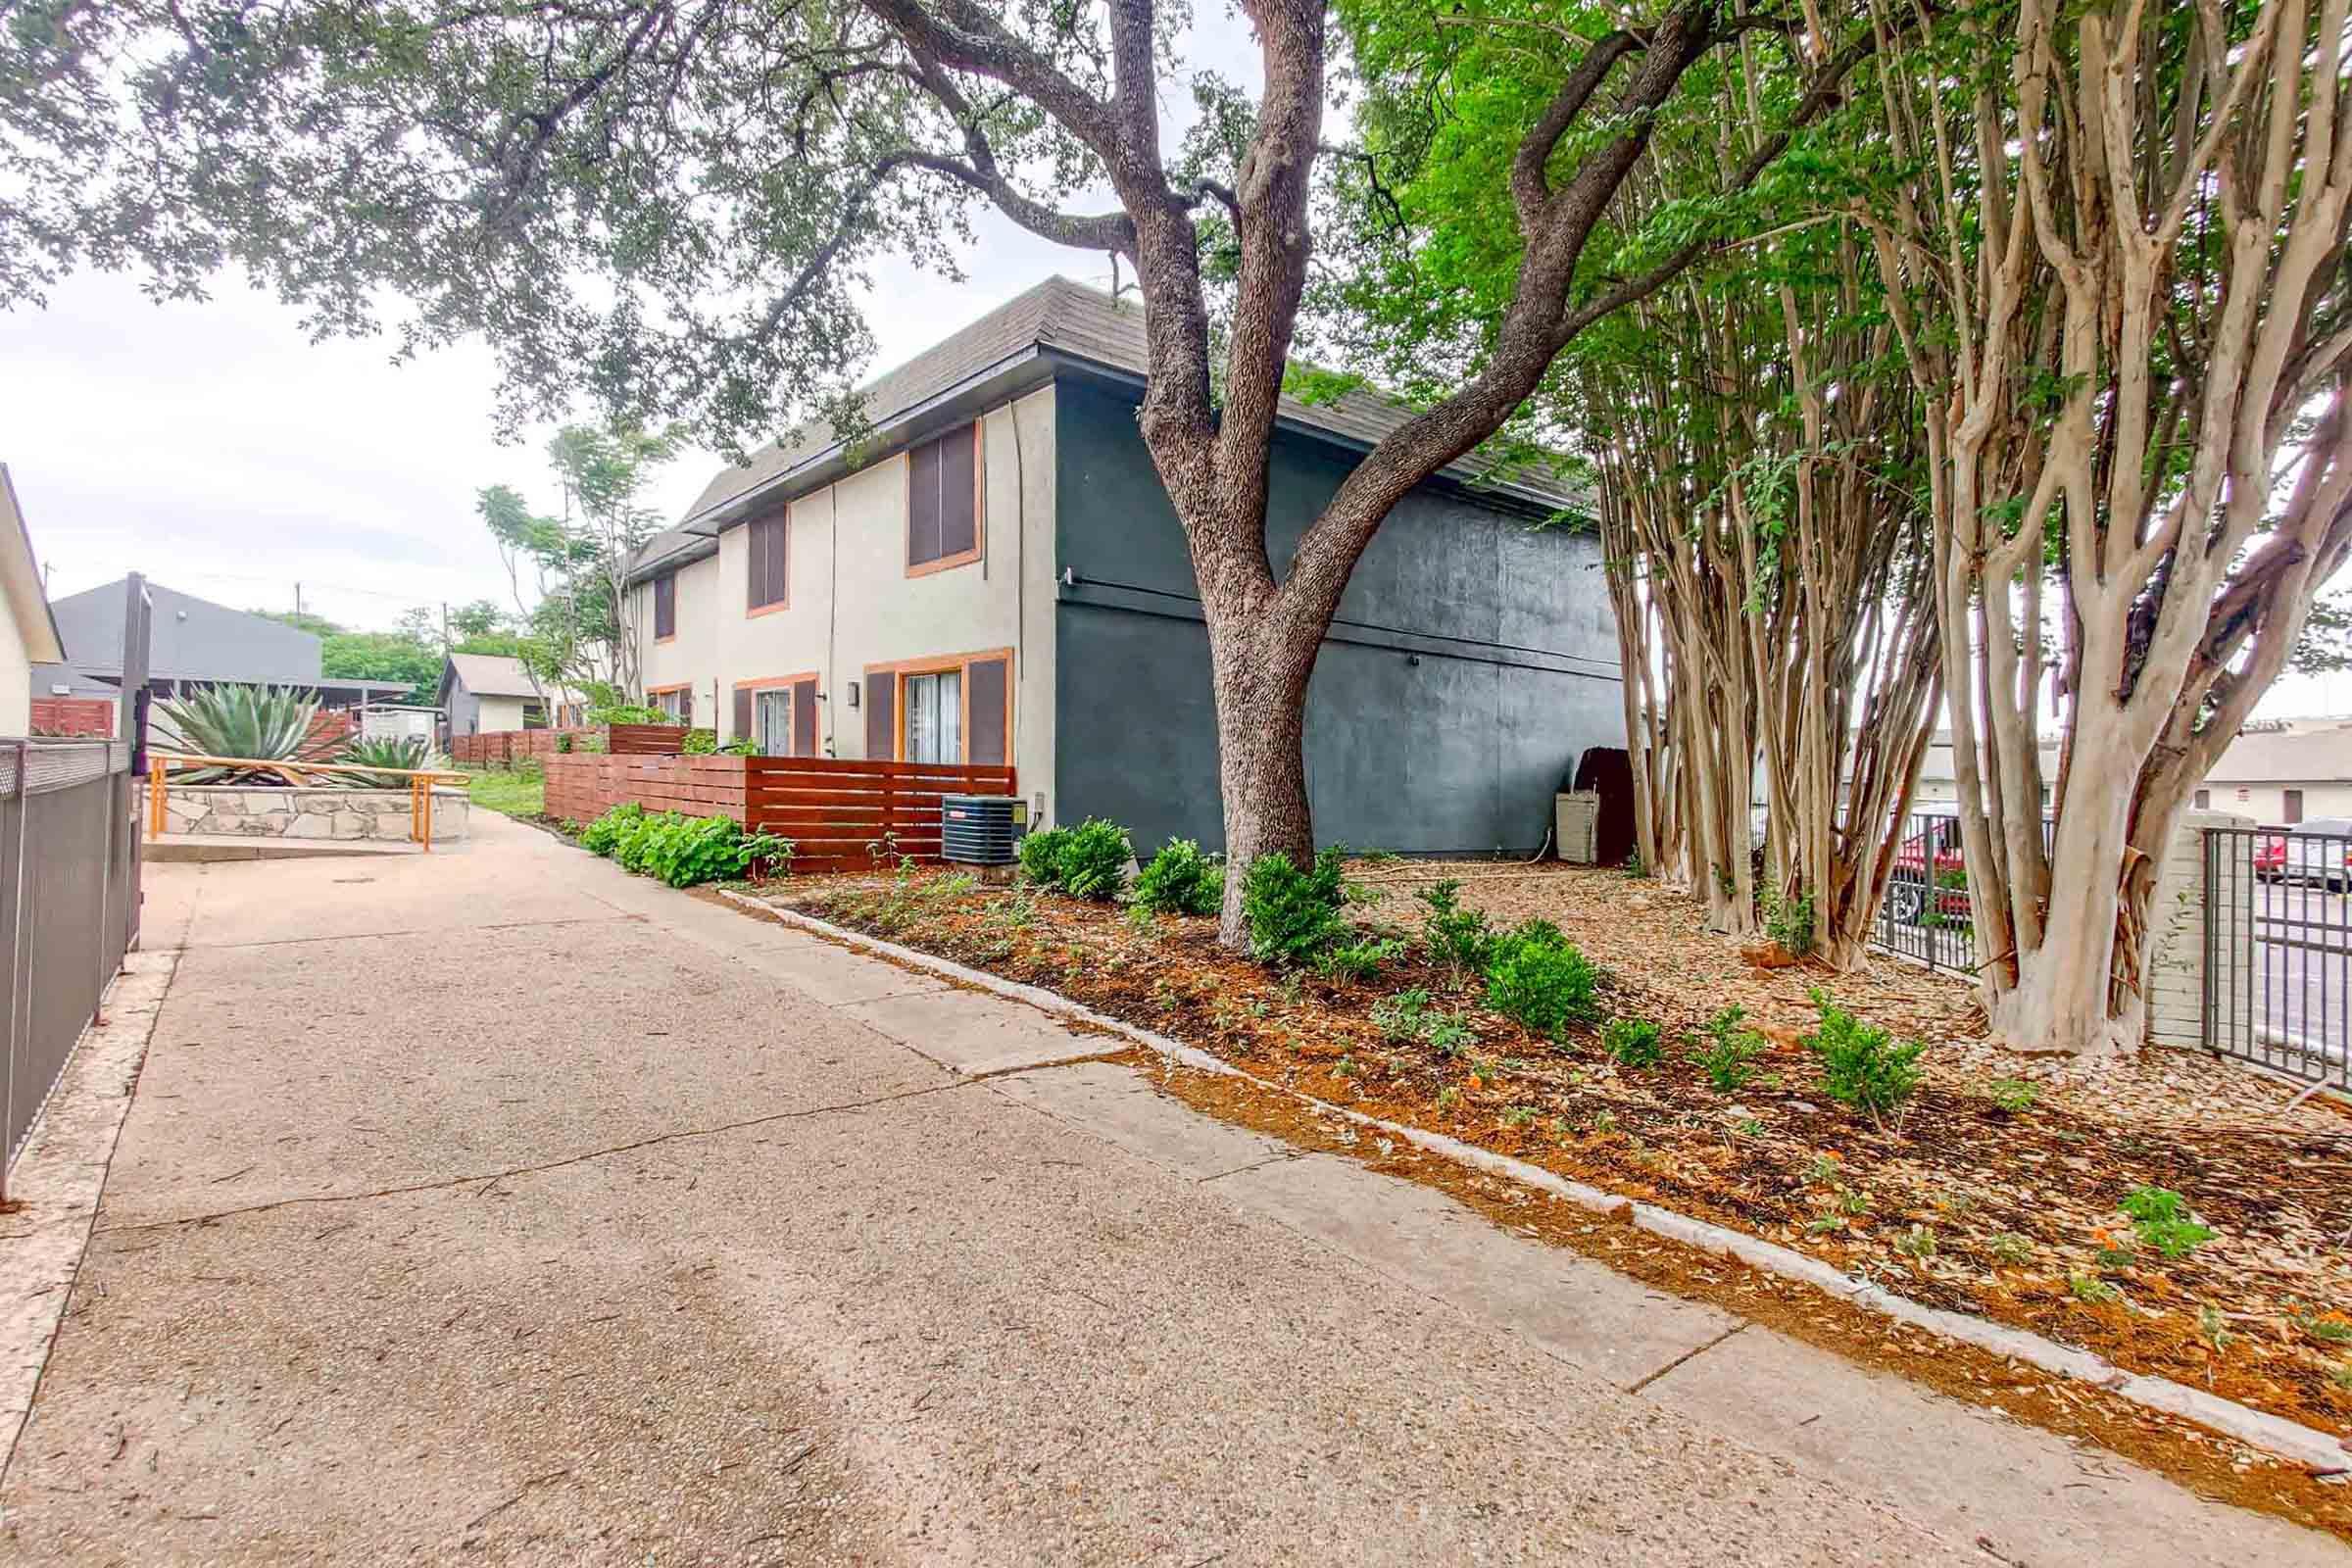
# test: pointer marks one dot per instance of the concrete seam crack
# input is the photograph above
(487, 1176)
(1690, 1354)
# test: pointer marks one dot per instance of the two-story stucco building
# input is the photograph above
(995, 573)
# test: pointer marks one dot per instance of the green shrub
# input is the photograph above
(1359, 960)
(1401, 1017)
(1094, 863)
(1448, 1034)
(627, 714)
(1292, 915)
(1457, 938)
(698, 742)
(1538, 977)
(1181, 880)
(1041, 856)
(1726, 1058)
(2015, 1096)
(682, 850)
(1859, 1066)
(1633, 1042)
(1790, 922)
(2161, 1218)
(602, 835)
(564, 742)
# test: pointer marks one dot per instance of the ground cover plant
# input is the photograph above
(519, 791)
(684, 851)
(1953, 1175)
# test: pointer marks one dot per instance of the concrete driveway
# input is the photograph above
(496, 1206)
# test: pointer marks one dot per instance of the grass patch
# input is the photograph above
(521, 792)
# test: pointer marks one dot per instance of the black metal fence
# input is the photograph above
(1925, 917)
(69, 903)
(2277, 945)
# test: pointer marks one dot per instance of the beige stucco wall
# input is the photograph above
(501, 713)
(849, 602)
(16, 676)
(2266, 804)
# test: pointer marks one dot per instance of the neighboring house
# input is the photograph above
(1936, 790)
(29, 632)
(994, 573)
(2280, 771)
(195, 643)
(482, 693)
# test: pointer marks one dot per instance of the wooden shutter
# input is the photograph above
(779, 557)
(803, 718)
(743, 713)
(959, 494)
(755, 576)
(881, 728)
(923, 542)
(984, 741)
(665, 606)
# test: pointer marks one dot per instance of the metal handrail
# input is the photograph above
(420, 784)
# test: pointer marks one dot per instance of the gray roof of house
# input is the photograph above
(191, 639)
(1073, 324)
(2304, 756)
(490, 675)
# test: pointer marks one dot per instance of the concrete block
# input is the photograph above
(972, 1032)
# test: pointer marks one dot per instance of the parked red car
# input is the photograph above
(1929, 856)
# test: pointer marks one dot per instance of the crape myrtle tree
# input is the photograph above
(1754, 437)
(2113, 240)
(672, 205)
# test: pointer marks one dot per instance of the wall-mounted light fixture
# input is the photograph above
(853, 693)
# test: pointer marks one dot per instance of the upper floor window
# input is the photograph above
(766, 582)
(943, 502)
(665, 606)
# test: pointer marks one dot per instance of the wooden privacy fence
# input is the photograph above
(842, 814)
(503, 747)
(582, 786)
(847, 815)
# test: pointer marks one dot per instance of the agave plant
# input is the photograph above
(402, 751)
(251, 723)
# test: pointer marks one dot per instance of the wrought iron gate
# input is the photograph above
(2278, 949)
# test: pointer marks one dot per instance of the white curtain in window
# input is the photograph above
(935, 717)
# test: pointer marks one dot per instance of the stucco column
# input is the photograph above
(2180, 956)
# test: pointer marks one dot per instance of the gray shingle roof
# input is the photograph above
(1073, 323)
(494, 675)
(2301, 756)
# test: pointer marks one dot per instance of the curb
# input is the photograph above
(2319, 1452)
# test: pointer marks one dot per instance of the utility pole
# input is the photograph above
(444, 628)
(298, 599)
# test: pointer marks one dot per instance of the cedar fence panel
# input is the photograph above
(92, 716)
(842, 814)
(503, 747)
(850, 814)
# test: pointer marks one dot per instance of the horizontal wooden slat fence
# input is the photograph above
(582, 786)
(503, 747)
(848, 814)
(842, 814)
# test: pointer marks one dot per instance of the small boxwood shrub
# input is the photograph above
(1041, 856)
(1181, 880)
(1633, 1042)
(1860, 1066)
(1359, 960)
(1459, 939)
(1092, 864)
(1294, 914)
(1537, 977)
(2161, 1218)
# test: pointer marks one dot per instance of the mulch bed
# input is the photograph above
(1953, 1202)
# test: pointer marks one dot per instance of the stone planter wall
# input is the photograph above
(305, 814)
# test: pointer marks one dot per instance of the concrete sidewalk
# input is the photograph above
(502, 1204)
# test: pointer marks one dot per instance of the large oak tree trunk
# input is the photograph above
(1262, 756)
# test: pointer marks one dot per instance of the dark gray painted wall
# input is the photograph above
(1473, 662)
